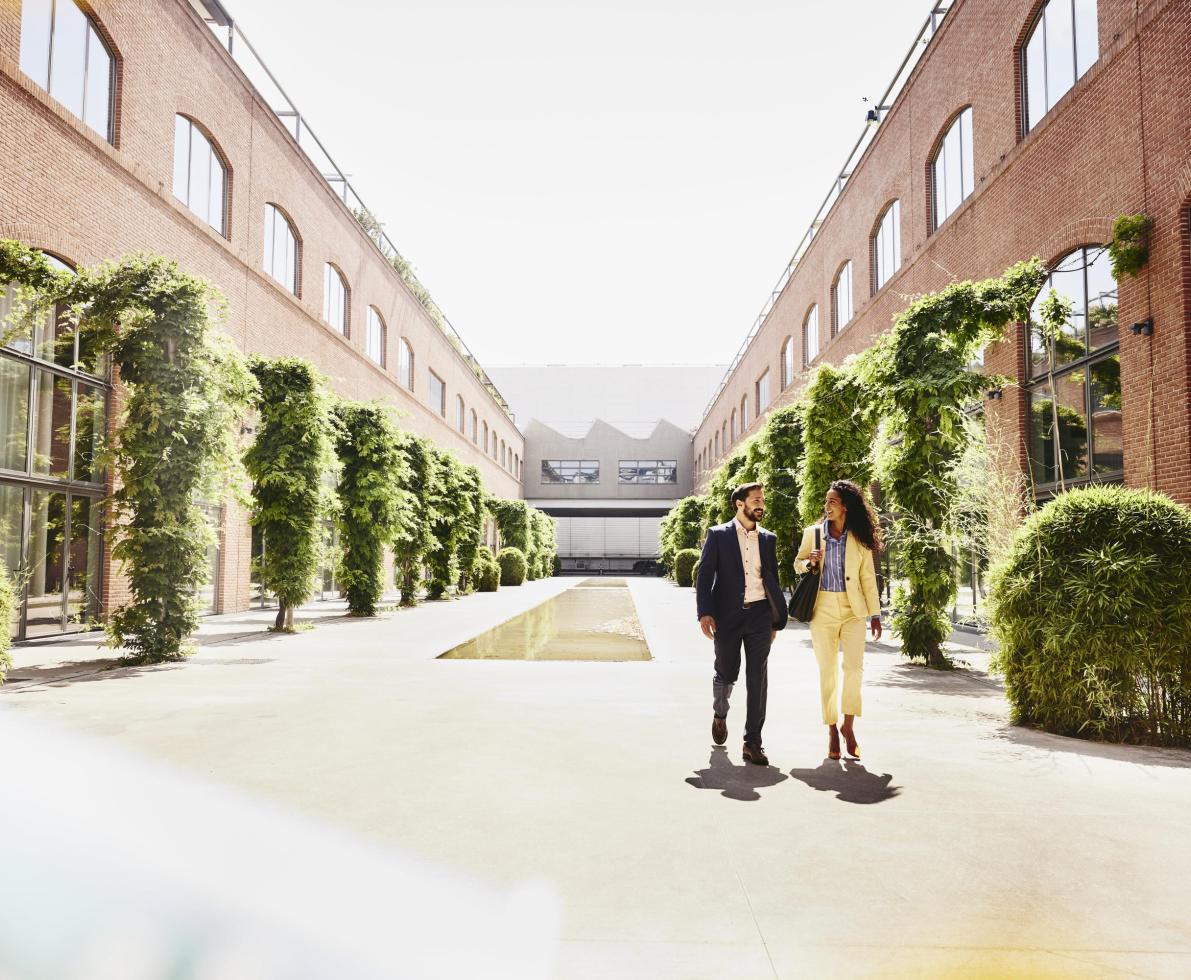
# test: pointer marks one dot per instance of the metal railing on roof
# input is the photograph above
(872, 122)
(223, 26)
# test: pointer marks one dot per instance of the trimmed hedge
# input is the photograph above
(513, 566)
(1092, 609)
(684, 567)
(485, 572)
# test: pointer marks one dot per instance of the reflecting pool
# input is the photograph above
(595, 620)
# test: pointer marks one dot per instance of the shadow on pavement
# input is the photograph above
(87, 671)
(1138, 755)
(735, 782)
(850, 782)
(961, 681)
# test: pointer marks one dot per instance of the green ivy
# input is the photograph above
(680, 529)
(470, 530)
(444, 513)
(921, 385)
(779, 470)
(414, 540)
(374, 506)
(838, 430)
(8, 608)
(513, 522)
(286, 462)
(1129, 249)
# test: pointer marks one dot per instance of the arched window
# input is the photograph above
(952, 171)
(1063, 44)
(336, 299)
(744, 414)
(485, 437)
(494, 444)
(1076, 426)
(503, 455)
(460, 414)
(724, 432)
(787, 362)
(516, 465)
(841, 299)
(281, 249)
(810, 336)
(887, 246)
(375, 341)
(405, 363)
(475, 431)
(761, 388)
(200, 175)
(732, 429)
(717, 446)
(64, 53)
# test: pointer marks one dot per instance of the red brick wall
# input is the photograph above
(65, 190)
(1116, 144)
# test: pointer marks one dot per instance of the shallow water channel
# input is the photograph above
(594, 620)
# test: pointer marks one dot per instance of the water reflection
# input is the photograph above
(580, 624)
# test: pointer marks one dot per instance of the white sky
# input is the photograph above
(589, 182)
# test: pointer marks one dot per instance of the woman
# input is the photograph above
(848, 595)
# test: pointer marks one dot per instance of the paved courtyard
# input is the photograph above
(960, 847)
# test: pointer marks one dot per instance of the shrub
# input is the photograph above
(513, 566)
(1092, 609)
(485, 572)
(695, 571)
(684, 567)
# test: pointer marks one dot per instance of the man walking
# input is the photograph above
(740, 603)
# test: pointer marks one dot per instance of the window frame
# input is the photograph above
(193, 126)
(761, 405)
(431, 377)
(344, 330)
(954, 123)
(840, 289)
(373, 318)
(892, 215)
(657, 466)
(1037, 22)
(807, 357)
(269, 245)
(563, 465)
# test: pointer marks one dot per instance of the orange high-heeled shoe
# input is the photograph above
(852, 745)
(832, 742)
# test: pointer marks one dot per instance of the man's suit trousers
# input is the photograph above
(754, 633)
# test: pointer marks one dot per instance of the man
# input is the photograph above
(739, 602)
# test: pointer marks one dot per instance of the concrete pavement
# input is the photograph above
(960, 847)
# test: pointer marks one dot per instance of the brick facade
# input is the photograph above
(1117, 143)
(67, 191)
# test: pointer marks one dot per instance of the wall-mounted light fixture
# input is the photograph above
(1145, 327)
(994, 394)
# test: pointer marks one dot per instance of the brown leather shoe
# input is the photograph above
(754, 754)
(719, 730)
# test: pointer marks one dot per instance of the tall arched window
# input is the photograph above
(732, 428)
(64, 53)
(405, 364)
(475, 431)
(1063, 44)
(1076, 426)
(504, 459)
(485, 430)
(810, 336)
(494, 444)
(717, 446)
(336, 301)
(841, 299)
(887, 246)
(744, 414)
(952, 170)
(787, 363)
(724, 432)
(375, 341)
(200, 175)
(281, 249)
(460, 414)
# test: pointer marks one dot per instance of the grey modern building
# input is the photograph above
(608, 451)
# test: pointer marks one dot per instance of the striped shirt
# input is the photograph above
(833, 561)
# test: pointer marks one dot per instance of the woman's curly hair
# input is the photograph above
(861, 520)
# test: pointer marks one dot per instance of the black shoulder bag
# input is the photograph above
(802, 602)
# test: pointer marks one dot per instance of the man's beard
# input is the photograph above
(756, 515)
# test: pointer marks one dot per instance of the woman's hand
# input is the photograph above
(816, 556)
(875, 626)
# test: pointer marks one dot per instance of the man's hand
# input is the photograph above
(875, 626)
(707, 624)
(772, 636)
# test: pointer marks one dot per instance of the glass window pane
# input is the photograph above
(967, 160)
(953, 170)
(895, 236)
(181, 158)
(1071, 419)
(46, 551)
(99, 85)
(14, 414)
(51, 424)
(218, 182)
(35, 40)
(1060, 51)
(270, 235)
(55, 339)
(1102, 300)
(1108, 441)
(1036, 75)
(1087, 36)
(82, 596)
(12, 516)
(90, 426)
(290, 278)
(69, 56)
(198, 196)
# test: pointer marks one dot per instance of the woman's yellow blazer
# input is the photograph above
(860, 573)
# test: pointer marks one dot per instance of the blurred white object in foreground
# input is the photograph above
(115, 868)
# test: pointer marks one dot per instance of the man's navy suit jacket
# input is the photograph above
(719, 587)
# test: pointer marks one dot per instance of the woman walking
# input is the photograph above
(847, 597)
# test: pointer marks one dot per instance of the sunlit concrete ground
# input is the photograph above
(962, 846)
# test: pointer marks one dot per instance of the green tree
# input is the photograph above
(286, 462)
(470, 532)
(413, 540)
(781, 462)
(373, 504)
(513, 522)
(837, 437)
(681, 528)
(921, 384)
(445, 514)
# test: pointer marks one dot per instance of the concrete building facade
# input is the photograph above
(1024, 128)
(129, 126)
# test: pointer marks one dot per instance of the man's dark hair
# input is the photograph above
(742, 491)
